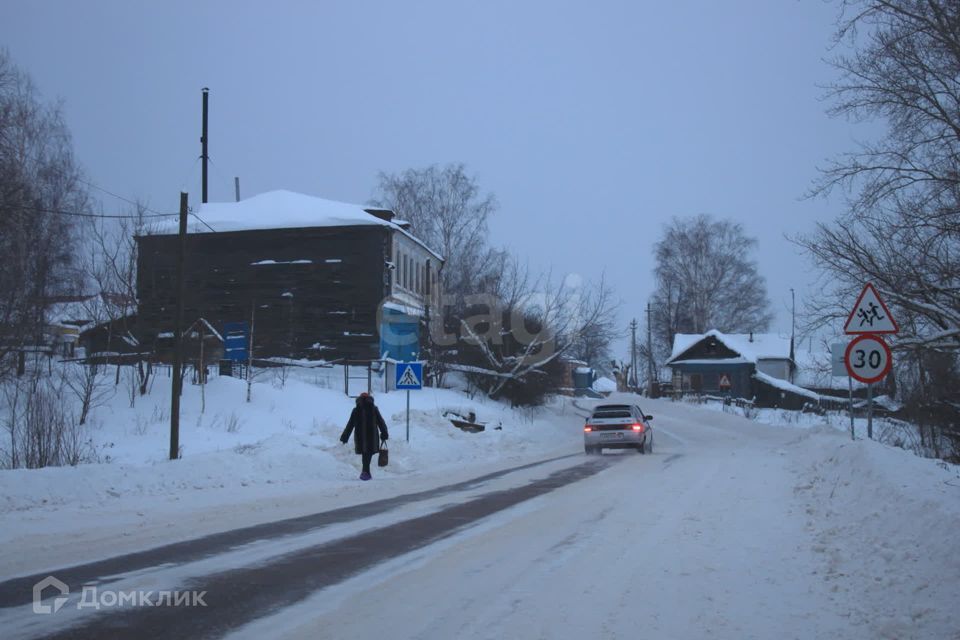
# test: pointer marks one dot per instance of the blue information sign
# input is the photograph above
(409, 375)
(236, 339)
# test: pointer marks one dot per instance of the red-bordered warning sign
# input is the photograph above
(870, 314)
(725, 381)
(868, 359)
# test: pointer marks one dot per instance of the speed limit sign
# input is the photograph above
(868, 358)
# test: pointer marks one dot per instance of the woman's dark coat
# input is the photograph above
(367, 426)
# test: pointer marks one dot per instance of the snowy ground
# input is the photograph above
(277, 457)
(732, 529)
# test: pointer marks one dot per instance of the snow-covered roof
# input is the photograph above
(763, 346)
(281, 209)
(783, 385)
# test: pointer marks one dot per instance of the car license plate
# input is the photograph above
(611, 436)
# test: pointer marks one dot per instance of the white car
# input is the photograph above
(618, 426)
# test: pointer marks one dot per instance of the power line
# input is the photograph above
(84, 214)
(202, 221)
(139, 205)
(142, 206)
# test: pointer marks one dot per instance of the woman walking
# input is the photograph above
(367, 424)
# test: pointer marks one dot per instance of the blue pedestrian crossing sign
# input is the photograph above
(409, 375)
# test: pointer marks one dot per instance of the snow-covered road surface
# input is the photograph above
(706, 538)
(729, 530)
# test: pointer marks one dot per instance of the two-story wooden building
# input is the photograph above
(321, 280)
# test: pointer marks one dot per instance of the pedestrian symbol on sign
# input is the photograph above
(870, 314)
(409, 375)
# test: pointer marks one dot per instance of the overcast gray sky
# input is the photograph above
(592, 122)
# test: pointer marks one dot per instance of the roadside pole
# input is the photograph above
(409, 375)
(868, 358)
(178, 335)
(850, 382)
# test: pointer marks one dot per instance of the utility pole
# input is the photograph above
(632, 382)
(650, 366)
(236, 187)
(253, 315)
(178, 335)
(203, 143)
(202, 370)
(793, 314)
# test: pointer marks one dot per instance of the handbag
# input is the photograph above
(384, 456)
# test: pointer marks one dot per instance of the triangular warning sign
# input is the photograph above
(870, 314)
(724, 380)
(408, 378)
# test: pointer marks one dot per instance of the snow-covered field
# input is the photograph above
(278, 456)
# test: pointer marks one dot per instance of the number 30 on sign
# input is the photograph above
(868, 359)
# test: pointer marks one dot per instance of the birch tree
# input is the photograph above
(706, 279)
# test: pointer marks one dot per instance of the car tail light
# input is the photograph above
(637, 427)
(588, 428)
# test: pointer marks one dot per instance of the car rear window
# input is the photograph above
(613, 414)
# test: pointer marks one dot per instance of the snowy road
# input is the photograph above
(703, 539)
(727, 531)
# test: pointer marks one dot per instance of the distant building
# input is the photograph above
(72, 321)
(323, 280)
(749, 366)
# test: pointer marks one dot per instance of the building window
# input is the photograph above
(397, 268)
(418, 277)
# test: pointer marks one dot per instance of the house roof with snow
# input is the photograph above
(750, 347)
(283, 209)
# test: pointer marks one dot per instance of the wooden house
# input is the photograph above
(318, 279)
(737, 365)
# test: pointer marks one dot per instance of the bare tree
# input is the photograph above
(111, 268)
(706, 280)
(38, 178)
(511, 341)
(901, 229)
(447, 210)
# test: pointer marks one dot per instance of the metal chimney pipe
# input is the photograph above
(203, 143)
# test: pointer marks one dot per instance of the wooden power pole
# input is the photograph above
(178, 335)
(650, 367)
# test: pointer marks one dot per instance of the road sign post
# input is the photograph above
(409, 377)
(868, 358)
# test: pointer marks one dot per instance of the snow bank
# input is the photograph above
(885, 524)
(288, 433)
